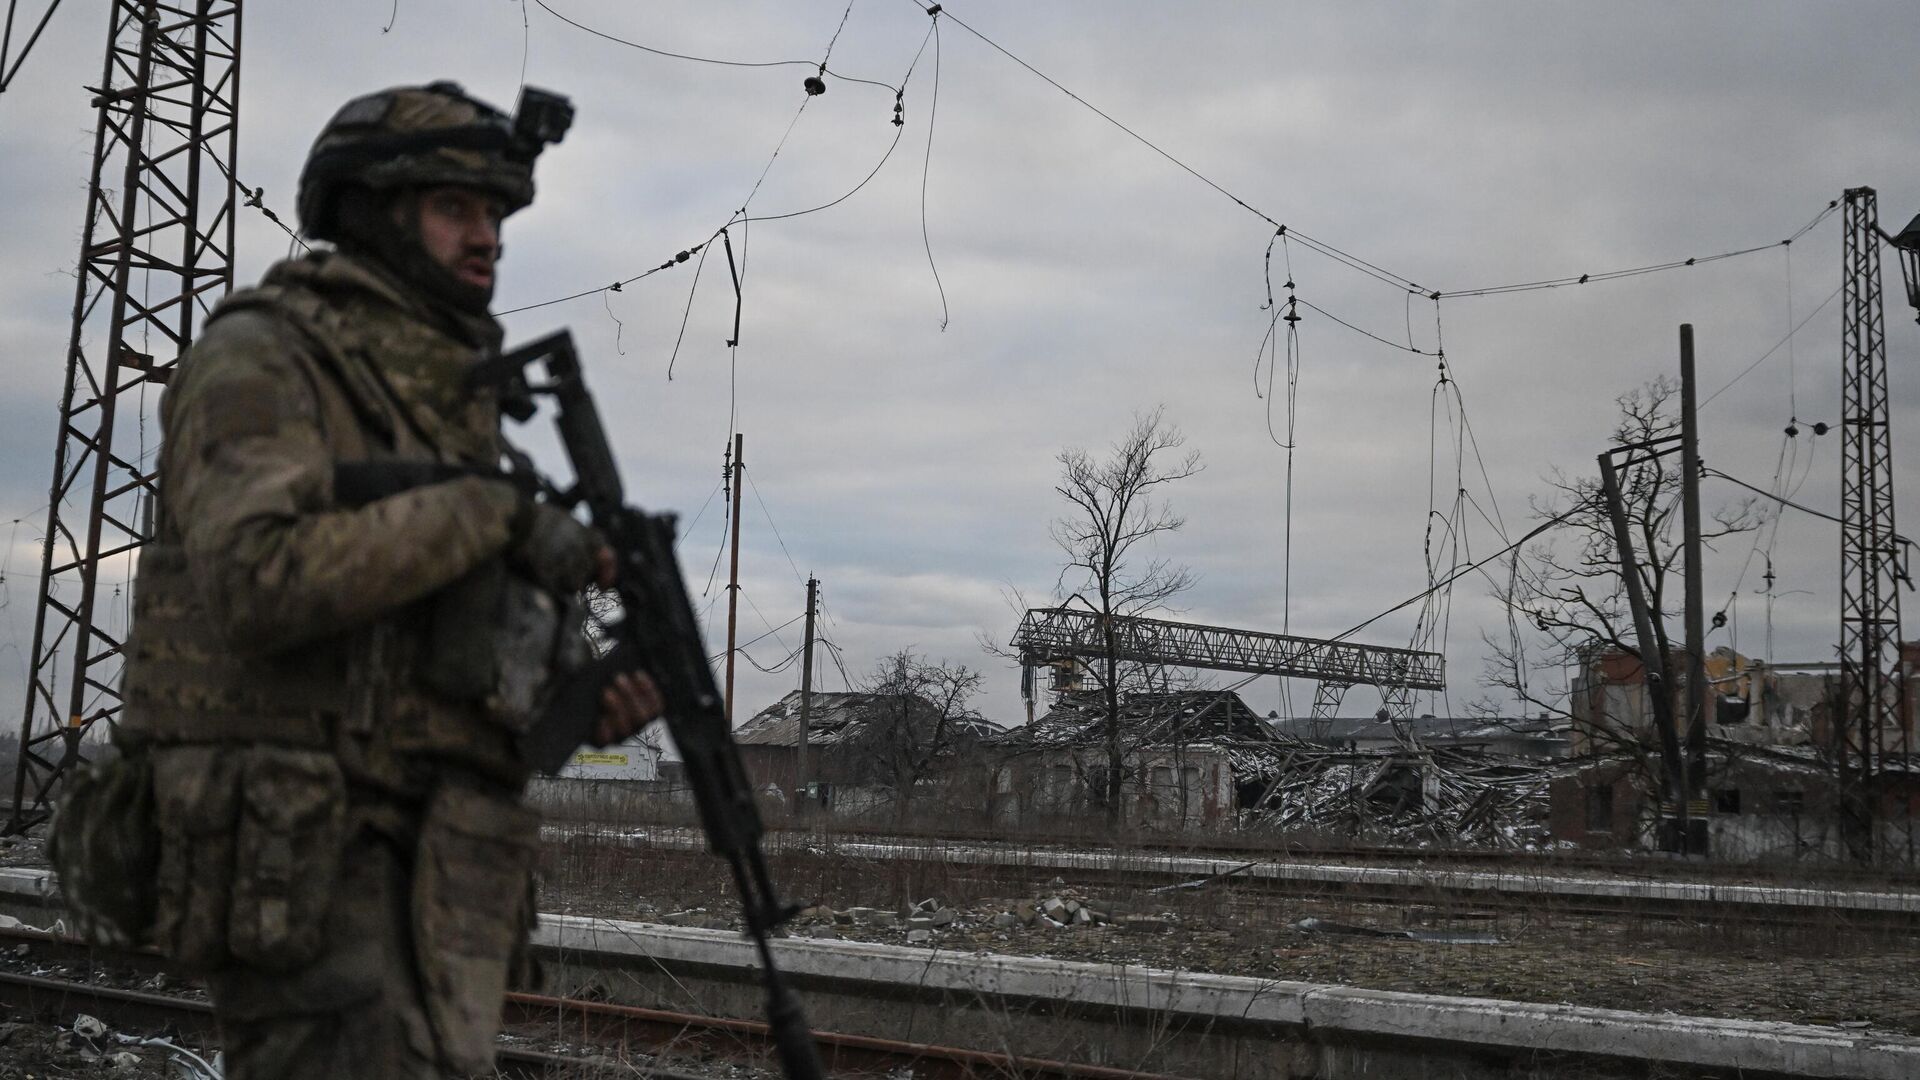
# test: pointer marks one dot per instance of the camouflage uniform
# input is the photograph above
(344, 854)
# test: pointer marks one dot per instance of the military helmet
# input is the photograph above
(413, 136)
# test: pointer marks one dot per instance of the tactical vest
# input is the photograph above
(385, 384)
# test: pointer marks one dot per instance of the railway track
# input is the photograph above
(597, 1034)
(1488, 889)
(1646, 865)
(1227, 845)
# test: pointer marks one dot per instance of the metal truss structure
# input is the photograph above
(157, 247)
(10, 58)
(1049, 634)
(1870, 568)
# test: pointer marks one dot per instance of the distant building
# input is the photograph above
(636, 759)
(1773, 773)
(858, 744)
(1188, 755)
(1752, 702)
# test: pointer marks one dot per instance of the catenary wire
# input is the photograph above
(1784, 501)
(688, 531)
(1557, 519)
(768, 514)
(1744, 372)
(757, 640)
(700, 248)
(835, 39)
(768, 623)
(705, 59)
(1329, 250)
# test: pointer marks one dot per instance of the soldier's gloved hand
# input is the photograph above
(554, 549)
(629, 703)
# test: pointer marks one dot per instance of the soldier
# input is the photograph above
(329, 692)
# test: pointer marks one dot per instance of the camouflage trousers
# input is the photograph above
(357, 1011)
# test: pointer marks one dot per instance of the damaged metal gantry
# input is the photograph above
(1047, 635)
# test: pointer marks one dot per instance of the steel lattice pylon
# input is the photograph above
(1870, 569)
(158, 243)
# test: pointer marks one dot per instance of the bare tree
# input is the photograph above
(924, 717)
(1113, 512)
(1570, 591)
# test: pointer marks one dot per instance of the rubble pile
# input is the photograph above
(1411, 794)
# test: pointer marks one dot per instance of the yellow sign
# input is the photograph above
(588, 757)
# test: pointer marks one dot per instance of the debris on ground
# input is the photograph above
(1408, 794)
(1311, 925)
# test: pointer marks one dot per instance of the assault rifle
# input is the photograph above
(658, 634)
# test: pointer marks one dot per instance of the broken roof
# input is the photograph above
(1151, 718)
(835, 718)
(1422, 728)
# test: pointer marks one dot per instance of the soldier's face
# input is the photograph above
(460, 229)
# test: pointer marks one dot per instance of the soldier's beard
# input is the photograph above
(390, 234)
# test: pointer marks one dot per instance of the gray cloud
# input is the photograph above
(1461, 145)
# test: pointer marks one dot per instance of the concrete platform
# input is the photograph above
(1177, 1022)
(1192, 1024)
(1622, 892)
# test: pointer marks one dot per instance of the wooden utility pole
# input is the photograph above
(1652, 664)
(806, 698)
(738, 476)
(1697, 689)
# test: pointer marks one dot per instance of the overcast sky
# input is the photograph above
(1086, 277)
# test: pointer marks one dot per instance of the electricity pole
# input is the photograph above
(1697, 690)
(1869, 725)
(806, 697)
(739, 477)
(156, 250)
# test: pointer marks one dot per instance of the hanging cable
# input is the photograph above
(768, 514)
(766, 622)
(1744, 372)
(1557, 519)
(1373, 270)
(727, 476)
(926, 165)
(620, 328)
(256, 198)
(688, 531)
(756, 640)
(704, 59)
(899, 126)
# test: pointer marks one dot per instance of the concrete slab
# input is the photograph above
(1333, 1016)
(1836, 901)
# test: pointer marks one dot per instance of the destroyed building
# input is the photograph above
(1188, 754)
(1204, 759)
(860, 747)
(1774, 775)
(1394, 787)
(1531, 738)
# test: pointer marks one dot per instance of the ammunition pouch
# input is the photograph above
(104, 844)
(249, 859)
